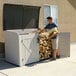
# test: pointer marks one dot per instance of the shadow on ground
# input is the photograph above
(73, 3)
(6, 65)
(2, 49)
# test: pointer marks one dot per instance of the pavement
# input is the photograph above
(60, 67)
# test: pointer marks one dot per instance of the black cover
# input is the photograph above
(20, 16)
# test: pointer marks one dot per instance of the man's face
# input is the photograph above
(49, 21)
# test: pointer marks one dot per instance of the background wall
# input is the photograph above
(66, 15)
(1, 10)
(1, 31)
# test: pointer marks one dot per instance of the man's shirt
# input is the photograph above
(49, 27)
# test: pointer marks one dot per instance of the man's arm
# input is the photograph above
(53, 32)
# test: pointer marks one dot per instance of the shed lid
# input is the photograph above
(20, 16)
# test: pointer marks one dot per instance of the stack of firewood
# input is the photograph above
(45, 45)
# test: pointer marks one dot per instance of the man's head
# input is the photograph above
(49, 19)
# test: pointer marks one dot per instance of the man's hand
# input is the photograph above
(53, 34)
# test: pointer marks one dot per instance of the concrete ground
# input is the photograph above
(60, 67)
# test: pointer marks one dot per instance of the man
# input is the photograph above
(53, 37)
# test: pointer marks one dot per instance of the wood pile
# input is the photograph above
(45, 45)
